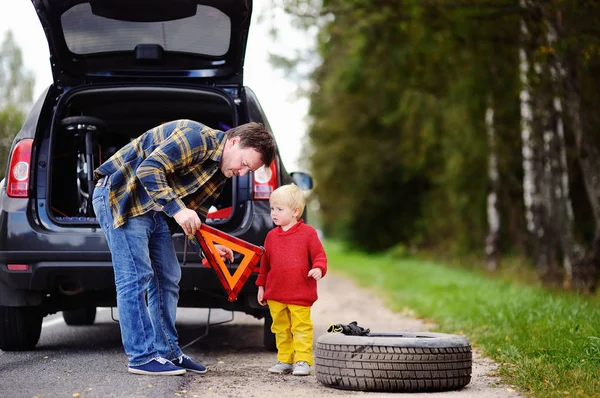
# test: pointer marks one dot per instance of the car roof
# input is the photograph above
(204, 40)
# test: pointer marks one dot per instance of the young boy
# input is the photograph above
(293, 262)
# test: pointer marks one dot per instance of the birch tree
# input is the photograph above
(566, 69)
(537, 209)
(546, 175)
(493, 213)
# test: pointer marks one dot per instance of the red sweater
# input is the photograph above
(284, 266)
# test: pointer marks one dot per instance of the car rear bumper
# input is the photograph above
(62, 284)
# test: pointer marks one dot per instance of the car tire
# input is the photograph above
(80, 317)
(393, 362)
(20, 328)
(268, 336)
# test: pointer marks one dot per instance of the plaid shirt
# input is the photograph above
(172, 166)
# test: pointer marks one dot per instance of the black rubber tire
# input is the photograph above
(80, 317)
(20, 328)
(268, 336)
(394, 362)
(88, 120)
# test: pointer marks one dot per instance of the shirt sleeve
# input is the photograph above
(183, 147)
(265, 265)
(317, 252)
(202, 205)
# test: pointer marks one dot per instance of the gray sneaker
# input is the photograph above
(301, 369)
(281, 368)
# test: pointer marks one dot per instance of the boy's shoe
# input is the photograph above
(188, 363)
(281, 368)
(301, 369)
(158, 367)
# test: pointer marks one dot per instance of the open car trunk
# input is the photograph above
(93, 124)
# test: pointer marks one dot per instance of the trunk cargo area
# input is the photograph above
(93, 124)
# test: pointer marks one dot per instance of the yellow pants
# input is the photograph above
(293, 331)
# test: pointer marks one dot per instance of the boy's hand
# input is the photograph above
(315, 273)
(260, 296)
(224, 252)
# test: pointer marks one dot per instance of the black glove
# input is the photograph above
(351, 329)
(356, 330)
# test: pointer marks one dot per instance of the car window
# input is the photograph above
(207, 33)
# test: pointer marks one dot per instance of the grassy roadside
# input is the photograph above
(547, 343)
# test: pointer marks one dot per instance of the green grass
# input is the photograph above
(546, 343)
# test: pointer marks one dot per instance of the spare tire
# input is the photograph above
(401, 361)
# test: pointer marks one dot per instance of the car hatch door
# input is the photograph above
(146, 40)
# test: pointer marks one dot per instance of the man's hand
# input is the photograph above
(188, 220)
(260, 296)
(224, 252)
(315, 273)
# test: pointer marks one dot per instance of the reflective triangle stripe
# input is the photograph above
(206, 238)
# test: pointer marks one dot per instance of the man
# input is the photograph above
(174, 170)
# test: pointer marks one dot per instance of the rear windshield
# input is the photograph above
(206, 33)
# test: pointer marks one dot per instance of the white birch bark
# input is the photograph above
(573, 252)
(535, 116)
(493, 215)
(526, 127)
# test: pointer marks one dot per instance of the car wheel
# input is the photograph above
(80, 317)
(402, 361)
(20, 328)
(268, 336)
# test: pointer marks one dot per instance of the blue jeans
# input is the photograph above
(147, 275)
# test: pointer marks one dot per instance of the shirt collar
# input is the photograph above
(218, 153)
(294, 227)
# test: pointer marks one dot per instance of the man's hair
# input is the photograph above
(256, 136)
(290, 195)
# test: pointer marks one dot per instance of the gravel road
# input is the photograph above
(238, 363)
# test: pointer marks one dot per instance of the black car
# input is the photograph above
(121, 67)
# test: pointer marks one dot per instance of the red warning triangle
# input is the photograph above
(207, 237)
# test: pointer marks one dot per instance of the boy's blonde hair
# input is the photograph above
(289, 195)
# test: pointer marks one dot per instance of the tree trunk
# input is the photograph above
(538, 206)
(572, 250)
(493, 214)
(585, 269)
(585, 273)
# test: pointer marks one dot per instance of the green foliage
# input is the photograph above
(546, 343)
(11, 120)
(372, 144)
(16, 93)
(398, 142)
(400, 146)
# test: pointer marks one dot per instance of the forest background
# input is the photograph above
(457, 128)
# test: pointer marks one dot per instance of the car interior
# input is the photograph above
(94, 124)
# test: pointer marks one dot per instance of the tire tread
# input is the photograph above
(387, 368)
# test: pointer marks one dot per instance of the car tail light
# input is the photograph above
(265, 181)
(221, 213)
(17, 267)
(18, 172)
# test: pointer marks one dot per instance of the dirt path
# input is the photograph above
(238, 363)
